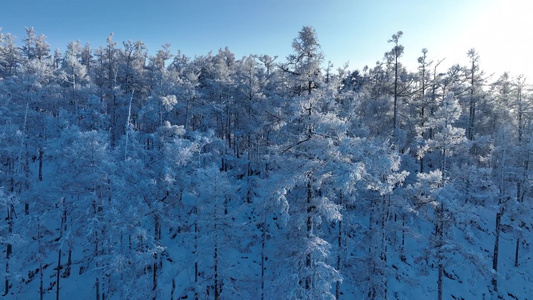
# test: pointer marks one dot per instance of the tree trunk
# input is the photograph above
(263, 241)
(472, 107)
(516, 252)
(41, 152)
(395, 118)
(439, 281)
(309, 231)
(9, 249)
(173, 289)
(215, 253)
(154, 275)
(496, 250)
(384, 241)
(27, 171)
(97, 286)
(41, 269)
(372, 250)
(196, 232)
(339, 244)
(66, 274)
(41, 281)
(402, 255)
(520, 189)
(58, 273)
(440, 233)
(96, 251)
(23, 143)
(215, 256)
(157, 235)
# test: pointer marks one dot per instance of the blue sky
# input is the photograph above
(355, 31)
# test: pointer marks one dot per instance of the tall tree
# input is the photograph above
(475, 80)
(10, 56)
(392, 58)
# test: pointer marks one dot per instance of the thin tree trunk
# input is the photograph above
(309, 231)
(395, 119)
(9, 249)
(96, 252)
(157, 235)
(496, 250)
(66, 274)
(372, 250)
(520, 190)
(402, 255)
(127, 127)
(384, 240)
(196, 232)
(516, 252)
(173, 289)
(439, 281)
(58, 268)
(27, 171)
(215, 256)
(263, 241)
(41, 269)
(22, 143)
(58, 273)
(440, 234)
(41, 152)
(41, 281)
(154, 275)
(339, 244)
(472, 108)
(97, 286)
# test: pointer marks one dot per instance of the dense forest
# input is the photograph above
(130, 175)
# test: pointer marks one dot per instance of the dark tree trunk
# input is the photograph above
(439, 281)
(41, 281)
(66, 274)
(339, 244)
(384, 242)
(41, 152)
(173, 289)
(395, 118)
(97, 286)
(516, 252)
(9, 249)
(439, 230)
(41, 269)
(58, 273)
(263, 242)
(157, 235)
(472, 106)
(309, 232)
(496, 249)
(215, 256)
(196, 232)
(154, 275)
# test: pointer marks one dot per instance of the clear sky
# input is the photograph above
(348, 30)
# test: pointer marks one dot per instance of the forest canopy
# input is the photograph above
(130, 175)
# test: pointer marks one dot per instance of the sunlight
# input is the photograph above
(500, 35)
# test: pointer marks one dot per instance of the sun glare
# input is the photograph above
(501, 34)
